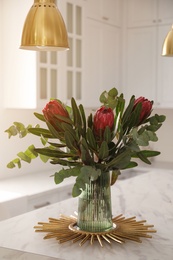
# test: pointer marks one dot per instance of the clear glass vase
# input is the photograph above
(94, 206)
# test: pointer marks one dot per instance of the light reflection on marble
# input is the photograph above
(10, 254)
(147, 196)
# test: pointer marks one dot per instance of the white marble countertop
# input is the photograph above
(148, 196)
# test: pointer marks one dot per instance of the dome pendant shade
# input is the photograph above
(44, 28)
(168, 44)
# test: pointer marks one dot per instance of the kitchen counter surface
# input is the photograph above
(148, 196)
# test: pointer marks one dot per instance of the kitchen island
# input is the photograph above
(148, 196)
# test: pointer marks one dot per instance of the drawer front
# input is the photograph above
(46, 198)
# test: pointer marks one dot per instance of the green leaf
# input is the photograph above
(90, 121)
(150, 153)
(63, 162)
(103, 97)
(160, 118)
(86, 173)
(103, 151)
(69, 129)
(53, 153)
(109, 99)
(131, 165)
(30, 152)
(143, 158)
(43, 158)
(113, 92)
(76, 114)
(39, 116)
(91, 139)
(114, 176)
(13, 163)
(120, 161)
(66, 173)
(76, 191)
(53, 132)
(64, 119)
(127, 113)
(12, 131)
(152, 136)
(82, 111)
(89, 172)
(24, 157)
(85, 153)
(40, 132)
(107, 135)
(70, 141)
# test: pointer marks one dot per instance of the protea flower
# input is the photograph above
(53, 108)
(103, 117)
(146, 108)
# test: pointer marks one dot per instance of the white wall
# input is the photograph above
(19, 66)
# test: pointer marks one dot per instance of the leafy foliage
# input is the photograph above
(75, 145)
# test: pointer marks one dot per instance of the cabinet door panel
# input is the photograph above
(101, 61)
(110, 73)
(141, 63)
(141, 13)
(111, 11)
(165, 72)
(94, 9)
(92, 57)
(165, 11)
(107, 11)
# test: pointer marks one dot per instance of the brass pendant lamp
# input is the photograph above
(168, 44)
(44, 28)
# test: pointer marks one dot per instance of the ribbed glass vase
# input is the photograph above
(94, 206)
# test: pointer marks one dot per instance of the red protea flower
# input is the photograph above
(103, 117)
(53, 108)
(146, 108)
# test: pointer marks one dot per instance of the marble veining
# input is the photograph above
(147, 196)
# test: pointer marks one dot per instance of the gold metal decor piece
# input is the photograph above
(65, 229)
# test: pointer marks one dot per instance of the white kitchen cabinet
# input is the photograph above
(165, 73)
(12, 204)
(60, 75)
(147, 73)
(46, 198)
(141, 54)
(102, 60)
(107, 11)
(149, 12)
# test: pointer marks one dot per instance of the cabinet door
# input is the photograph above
(101, 61)
(111, 11)
(93, 9)
(141, 63)
(165, 72)
(110, 71)
(92, 65)
(165, 11)
(107, 11)
(141, 13)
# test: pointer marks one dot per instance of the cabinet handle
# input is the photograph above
(159, 20)
(154, 21)
(105, 18)
(42, 205)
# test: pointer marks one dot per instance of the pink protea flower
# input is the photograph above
(103, 117)
(53, 108)
(146, 108)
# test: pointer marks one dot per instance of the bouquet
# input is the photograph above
(109, 140)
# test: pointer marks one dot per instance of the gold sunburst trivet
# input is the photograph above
(65, 229)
